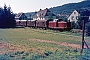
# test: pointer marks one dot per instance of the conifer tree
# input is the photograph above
(7, 18)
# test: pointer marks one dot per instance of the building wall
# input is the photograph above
(38, 18)
(74, 16)
(45, 18)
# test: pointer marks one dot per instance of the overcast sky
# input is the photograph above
(33, 5)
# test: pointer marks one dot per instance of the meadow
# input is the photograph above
(37, 44)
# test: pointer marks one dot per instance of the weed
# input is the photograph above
(26, 54)
(47, 53)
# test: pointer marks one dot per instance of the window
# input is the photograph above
(76, 17)
(37, 15)
(74, 12)
(72, 17)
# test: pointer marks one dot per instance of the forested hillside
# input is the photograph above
(68, 8)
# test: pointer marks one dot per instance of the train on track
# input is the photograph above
(45, 24)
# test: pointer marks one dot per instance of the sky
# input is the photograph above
(33, 5)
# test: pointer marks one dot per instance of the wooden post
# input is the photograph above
(83, 26)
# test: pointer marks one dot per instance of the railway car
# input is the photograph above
(17, 22)
(31, 23)
(62, 25)
(23, 23)
(41, 24)
(52, 25)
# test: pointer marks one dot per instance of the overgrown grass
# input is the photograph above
(26, 33)
(66, 54)
(32, 50)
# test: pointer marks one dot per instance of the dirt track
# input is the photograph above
(58, 43)
(7, 47)
(4, 48)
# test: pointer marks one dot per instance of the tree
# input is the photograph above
(87, 29)
(7, 17)
(85, 16)
(79, 23)
(1, 16)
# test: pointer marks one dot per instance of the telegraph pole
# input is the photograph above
(83, 30)
(84, 16)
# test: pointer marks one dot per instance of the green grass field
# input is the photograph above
(35, 44)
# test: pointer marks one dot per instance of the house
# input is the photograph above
(76, 14)
(30, 15)
(20, 16)
(44, 15)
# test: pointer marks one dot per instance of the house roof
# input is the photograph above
(30, 14)
(19, 15)
(43, 13)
